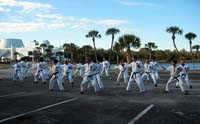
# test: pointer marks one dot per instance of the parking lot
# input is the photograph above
(26, 102)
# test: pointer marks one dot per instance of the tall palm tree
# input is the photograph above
(86, 49)
(117, 48)
(66, 48)
(48, 52)
(174, 30)
(127, 41)
(71, 48)
(191, 36)
(93, 34)
(51, 47)
(196, 47)
(43, 46)
(112, 32)
(59, 54)
(150, 46)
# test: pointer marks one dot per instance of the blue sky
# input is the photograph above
(65, 21)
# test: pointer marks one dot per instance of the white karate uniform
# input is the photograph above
(123, 72)
(106, 67)
(67, 72)
(98, 77)
(23, 68)
(57, 71)
(41, 72)
(28, 69)
(135, 76)
(155, 70)
(90, 76)
(175, 76)
(17, 72)
(149, 72)
(185, 75)
(79, 69)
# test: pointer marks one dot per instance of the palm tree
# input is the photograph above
(174, 30)
(196, 47)
(48, 54)
(86, 49)
(117, 48)
(66, 47)
(127, 41)
(150, 46)
(43, 46)
(51, 47)
(191, 36)
(112, 32)
(93, 34)
(71, 48)
(59, 54)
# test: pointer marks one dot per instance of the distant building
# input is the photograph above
(9, 47)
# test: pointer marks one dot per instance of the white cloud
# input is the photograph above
(132, 3)
(26, 7)
(80, 26)
(58, 25)
(50, 16)
(110, 22)
(20, 27)
(129, 30)
(35, 16)
(8, 3)
(2, 9)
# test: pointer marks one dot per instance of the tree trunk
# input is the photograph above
(173, 38)
(117, 59)
(191, 54)
(95, 50)
(111, 48)
(128, 55)
(149, 53)
(72, 56)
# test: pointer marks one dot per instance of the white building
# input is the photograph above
(8, 47)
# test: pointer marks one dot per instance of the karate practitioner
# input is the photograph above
(40, 71)
(17, 74)
(23, 67)
(184, 73)
(149, 72)
(176, 77)
(57, 71)
(79, 69)
(155, 69)
(105, 68)
(97, 68)
(136, 75)
(89, 76)
(28, 68)
(67, 72)
(123, 68)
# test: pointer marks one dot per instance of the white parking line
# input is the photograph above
(13, 94)
(140, 114)
(37, 110)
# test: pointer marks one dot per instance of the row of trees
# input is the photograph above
(129, 41)
(123, 48)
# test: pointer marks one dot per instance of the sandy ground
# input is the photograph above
(26, 102)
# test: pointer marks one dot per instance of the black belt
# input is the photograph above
(134, 73)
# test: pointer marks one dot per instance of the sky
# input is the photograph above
(66, 21)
